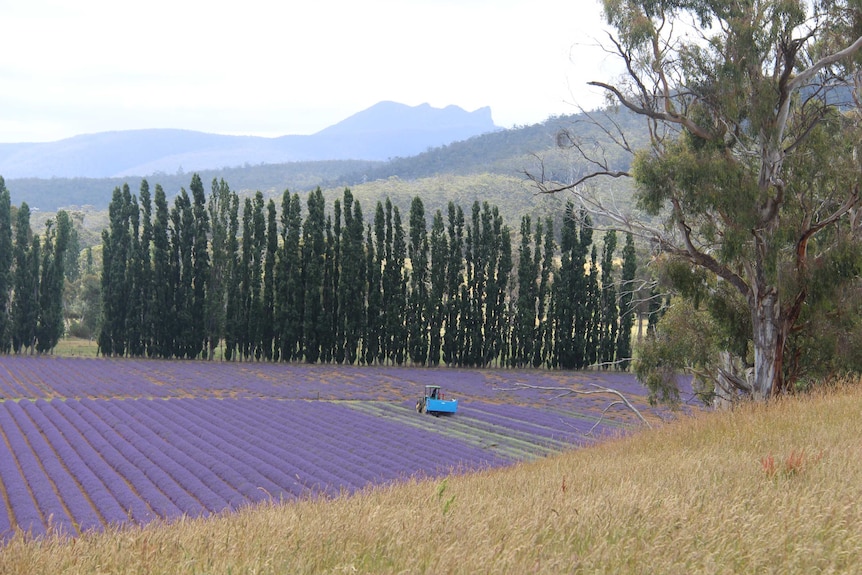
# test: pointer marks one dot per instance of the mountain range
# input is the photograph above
(384, 131)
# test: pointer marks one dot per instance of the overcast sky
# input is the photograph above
(270, 68)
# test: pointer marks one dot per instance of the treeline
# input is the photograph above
(266, 282)
(32, 277)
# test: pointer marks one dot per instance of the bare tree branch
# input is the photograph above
(544, 187)
(565, 391)
(662, 116)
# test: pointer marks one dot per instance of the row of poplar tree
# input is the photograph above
(237, 279)
(32, 278)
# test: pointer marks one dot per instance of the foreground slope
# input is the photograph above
(765, 489)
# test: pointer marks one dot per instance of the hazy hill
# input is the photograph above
(383, 131)
(452, 166)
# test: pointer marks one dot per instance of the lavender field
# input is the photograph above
(87, 443)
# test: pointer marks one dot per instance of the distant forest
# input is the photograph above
(250, 280)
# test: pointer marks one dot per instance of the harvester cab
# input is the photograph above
(435, 403)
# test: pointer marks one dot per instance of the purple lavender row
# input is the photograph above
(588, 409)
(350, 466)
(555, 426)
(204, 454)
(260, 466)
(179, 450)
(90, 447)
(10, 387)
(263, 473)
(132, 466)
(581, 420)
(336, 422)
(69, 444)
(47, 502)
(473, 447)
(113, 378)
(455, 452)
(289, 453)
(53, 459)
(306, 438)
(617, 420)
(335, 430)
(486, 437)
(18, 500)
(417, 448)
(191, 476)
(28, 380)
(345, 431)
(512, 432)
(78, 377)
(342, 425)
(321, 474)
(163, 471)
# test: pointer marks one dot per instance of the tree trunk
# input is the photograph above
(732, 379)
(769, 338)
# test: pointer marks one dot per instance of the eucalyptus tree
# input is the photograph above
(752, 164)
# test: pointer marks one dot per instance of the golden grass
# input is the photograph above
(695, 496)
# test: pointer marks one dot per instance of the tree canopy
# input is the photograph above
(326, 286)
(752, 166)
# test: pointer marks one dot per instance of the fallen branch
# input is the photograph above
(564, 391)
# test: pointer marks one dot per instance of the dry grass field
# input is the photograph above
(762, 489)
